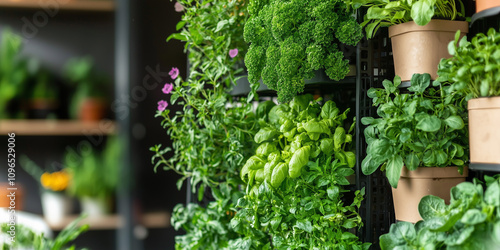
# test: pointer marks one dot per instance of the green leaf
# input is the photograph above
(305, 225)
(333, 192)
(429, 124)
(454, 122)
(422, 11)
(220, 25)
(412, 161)
(492, 194)
(299, 159)
(180, 25)
(473, 217)
(393, 170)
(431, 206)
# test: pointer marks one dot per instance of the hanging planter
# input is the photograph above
(484, 135)
(418, 49)
(486, 4)
(413, 185)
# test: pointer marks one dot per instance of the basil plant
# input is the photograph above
(425, 127)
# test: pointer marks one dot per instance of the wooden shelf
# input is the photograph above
(57, 127)
(83, 5)
(112, 222)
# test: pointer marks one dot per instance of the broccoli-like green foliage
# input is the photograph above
(290, 39)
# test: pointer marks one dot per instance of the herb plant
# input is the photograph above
(294, 186)
(25, 237)
(474, 67)
(13, 70)
(470, 221)
(422, 128)
(291, 39)
(384, 13)
(212, 132)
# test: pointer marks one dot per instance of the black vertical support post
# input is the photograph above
(124, 237)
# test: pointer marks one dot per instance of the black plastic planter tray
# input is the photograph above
(482, 21)
(490, 167)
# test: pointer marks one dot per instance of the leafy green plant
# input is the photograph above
(25, 237)
(13, 70)
(291, 135)
(212, 133)
(294, 187)
(80, 73)
(474, 67)
(94, 174)
(208, 227)
(291, 39)
(470, 221)
(422, 128)
(384, 13)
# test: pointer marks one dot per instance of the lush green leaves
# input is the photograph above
(470, 221)
(289, 40)
(474, 69)
(422, 128)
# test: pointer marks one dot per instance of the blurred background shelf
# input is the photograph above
(82, 5)
(112, 222)
(57, 127)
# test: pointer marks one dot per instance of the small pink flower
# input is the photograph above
(174, 73)
(162, 105)
(233, 53)
(167, 88)
(178, 7)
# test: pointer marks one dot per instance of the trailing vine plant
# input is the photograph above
(212, 133)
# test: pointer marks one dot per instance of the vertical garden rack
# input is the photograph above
(373, 64)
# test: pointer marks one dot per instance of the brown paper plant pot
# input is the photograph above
(486, 4)
(484, 130)
(418, 49)
(413, 185)
(92, 109)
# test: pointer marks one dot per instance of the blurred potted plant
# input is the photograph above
(55, 204)
(89, 102)
(474, 70)
(418, 136)
(290, 40)
(419, 30)
(486, 4)
(95, 178)
(13, 71)
(44, 100)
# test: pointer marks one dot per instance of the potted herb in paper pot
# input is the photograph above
(290, 40)
(55, 203)
(419, 30)
(420, 141)
(95, 177)
(474, 70)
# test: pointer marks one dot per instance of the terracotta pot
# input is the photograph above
(92, 109)
(413, 185)
(418, 49)
(486, 4)
(42, 108)
(7, 199)
(484, 135)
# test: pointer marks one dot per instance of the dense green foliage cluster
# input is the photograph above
(296, 179)
(422, 128)
(212, 133)
(470, 221)
(474, 68)
(28, 239)
(290, 39)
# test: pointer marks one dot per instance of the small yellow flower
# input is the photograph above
(57, 181)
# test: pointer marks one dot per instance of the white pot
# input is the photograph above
(94, 207)
(55, 206)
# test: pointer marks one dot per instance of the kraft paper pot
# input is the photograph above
(418, 49)
(484, 132)
(413, 185)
